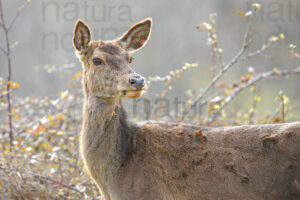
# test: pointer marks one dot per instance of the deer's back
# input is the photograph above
(172, 161)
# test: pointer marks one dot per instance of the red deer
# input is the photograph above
(169, 161)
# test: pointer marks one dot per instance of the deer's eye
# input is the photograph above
(97, 61)
(130, 60)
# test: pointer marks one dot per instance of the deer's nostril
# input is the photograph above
(132, 81)
(137, 82)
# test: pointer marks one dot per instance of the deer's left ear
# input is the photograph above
(137, 36)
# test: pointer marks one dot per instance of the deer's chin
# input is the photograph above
(132, 93)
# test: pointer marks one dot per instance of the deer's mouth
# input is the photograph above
(132, 93)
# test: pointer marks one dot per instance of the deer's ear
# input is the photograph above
(137, 36)
(81, 35)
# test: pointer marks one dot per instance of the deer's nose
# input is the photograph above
(137, 82)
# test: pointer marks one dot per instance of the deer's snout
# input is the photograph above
(137, 82)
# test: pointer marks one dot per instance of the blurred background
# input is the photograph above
(44, 61)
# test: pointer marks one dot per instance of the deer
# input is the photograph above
(157, 160)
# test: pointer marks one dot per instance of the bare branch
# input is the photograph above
(8, 56)
(9, 107)
(251, 82)
(260, 77)
(19, 10)
(258, 52)
(245, 45)
(2, 22)
(49, 179)
(45, 178)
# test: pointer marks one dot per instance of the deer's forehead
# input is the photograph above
(111, 54)
(109, 49)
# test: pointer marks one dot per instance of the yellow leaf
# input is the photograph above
(256, 6)
(257, 98)
(242, 13)
(52, 131)
(76, 76)
(9, 83)
(50, 148)
(189, 102)
(168, 79)
(28, 130)
(60, 133)
(277, 71)
(63, 94)
(50, 118)
(23, 149)
(59, 117)
(16, 85)
(286, 100)
(217, 107)
(39, 129)
(248, 76)
(273, 38)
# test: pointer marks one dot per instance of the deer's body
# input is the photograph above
(131, 161)
(165, 161)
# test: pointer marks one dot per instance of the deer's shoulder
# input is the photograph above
(160, 134)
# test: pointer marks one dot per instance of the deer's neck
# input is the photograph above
(106, 135)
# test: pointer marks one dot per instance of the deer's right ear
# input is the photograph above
(82, 35)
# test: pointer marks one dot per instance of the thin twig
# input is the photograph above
(282, 112)
(19, 10)
(9, 74)
(46, 178)
(60, 172)
(260, 77)
(255, 53)
(250, 55)
(245, 45)
(251, 82)
(8, 56)
(254, 104)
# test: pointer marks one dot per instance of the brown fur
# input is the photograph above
(166, 161)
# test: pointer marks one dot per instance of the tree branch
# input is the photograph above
(45, 178)
(8, 56)
(19, 10)
(255, 53)
(9, 107)
(245, 45)
(251, 82)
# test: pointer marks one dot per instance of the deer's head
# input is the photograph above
(106, 64)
